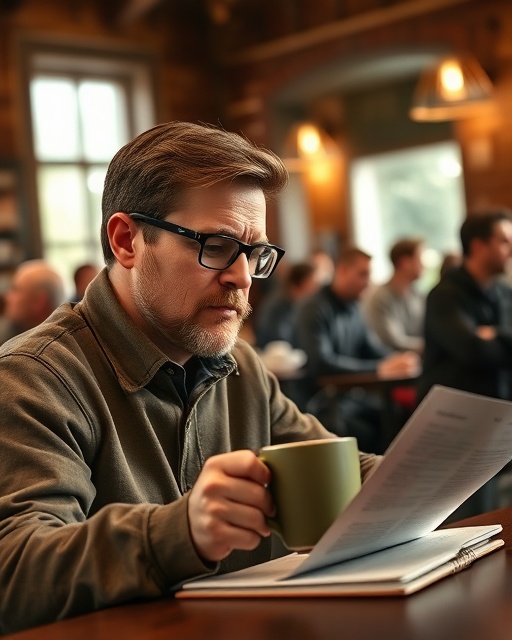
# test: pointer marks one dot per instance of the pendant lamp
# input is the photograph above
(451, 89)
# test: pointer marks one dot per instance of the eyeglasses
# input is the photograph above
(219, 252)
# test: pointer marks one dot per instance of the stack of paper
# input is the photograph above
(384, 542)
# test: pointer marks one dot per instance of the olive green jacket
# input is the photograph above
(98, 452)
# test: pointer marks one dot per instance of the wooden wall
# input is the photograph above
(484, 27)
(172, 41)
(232, 73)
(177, 43)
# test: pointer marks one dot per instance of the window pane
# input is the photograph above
(65, 259)
(62, 204)
(54, 116)
(102, 112)
(95, 181)
(414, 192)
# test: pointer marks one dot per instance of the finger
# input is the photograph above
(218, 487)
(219, 526)
(230, 538)
(244, 464)
(242, 516)
(250, 493)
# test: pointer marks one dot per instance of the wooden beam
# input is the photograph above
(134, 10)
(340, 29)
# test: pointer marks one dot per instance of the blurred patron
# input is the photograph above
(36, 291)
(450, 260)
(395, 310)
(275, 319)
(82, 276)
(333, 333)
(468, 325)
(468, 321)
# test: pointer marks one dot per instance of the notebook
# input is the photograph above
(453, 443)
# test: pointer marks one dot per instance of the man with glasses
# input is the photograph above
(131, 420)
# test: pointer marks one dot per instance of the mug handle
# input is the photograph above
(273, 523)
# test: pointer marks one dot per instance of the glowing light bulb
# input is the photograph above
(452, 81)
(308, 140)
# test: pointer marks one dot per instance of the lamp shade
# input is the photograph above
(450, 90)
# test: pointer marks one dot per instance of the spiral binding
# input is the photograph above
(463, 559)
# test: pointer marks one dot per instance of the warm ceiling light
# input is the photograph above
(306, 143)
(451, 80)
(450, 89)
(308, 140)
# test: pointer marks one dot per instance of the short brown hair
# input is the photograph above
(151, 173)
(298, 273)
(406, 247)
(349, 255)
(481, 226)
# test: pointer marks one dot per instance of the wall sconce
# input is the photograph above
(450, 90)
(307, 143)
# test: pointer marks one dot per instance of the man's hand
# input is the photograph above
(398, 365)
(486, 332)
(228, 505)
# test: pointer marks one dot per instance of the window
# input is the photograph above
(414, 192)
(83, 109)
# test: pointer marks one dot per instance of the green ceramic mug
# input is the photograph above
(312, 482)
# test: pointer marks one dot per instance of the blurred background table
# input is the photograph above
(395, 403)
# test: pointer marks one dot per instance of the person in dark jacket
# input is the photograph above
(468, 325)
(275, 319)
(333, 333)
(468, 319)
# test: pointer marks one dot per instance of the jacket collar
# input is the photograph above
(340, 303)
(464, 278)
(133, 356)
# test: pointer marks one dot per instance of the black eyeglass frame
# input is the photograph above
(202, 238)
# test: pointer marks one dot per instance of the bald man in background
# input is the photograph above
(36, 291)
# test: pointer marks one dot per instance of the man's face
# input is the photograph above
(414, 264)
(498, 248)
(184, 307)
(20, 301)
(354, 278)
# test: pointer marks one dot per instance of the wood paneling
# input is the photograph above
(230, 71)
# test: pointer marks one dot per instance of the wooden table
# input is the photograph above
(392, 419)
(475, 604)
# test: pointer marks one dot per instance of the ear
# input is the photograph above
(121, 231)
(39, 299)
(476, 246)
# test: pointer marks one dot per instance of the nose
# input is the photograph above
(237, 275)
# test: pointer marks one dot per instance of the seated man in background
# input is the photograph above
(395, 310)
(468, 325)
(332, 332)
(36, 291)
(275, 318)
(468, 318)
(130, 420)
(82, 276)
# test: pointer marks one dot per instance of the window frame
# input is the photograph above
(133, 69)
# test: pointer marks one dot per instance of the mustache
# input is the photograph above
(232, 299)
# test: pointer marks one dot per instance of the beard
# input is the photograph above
(214, 340)
(186, 332)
